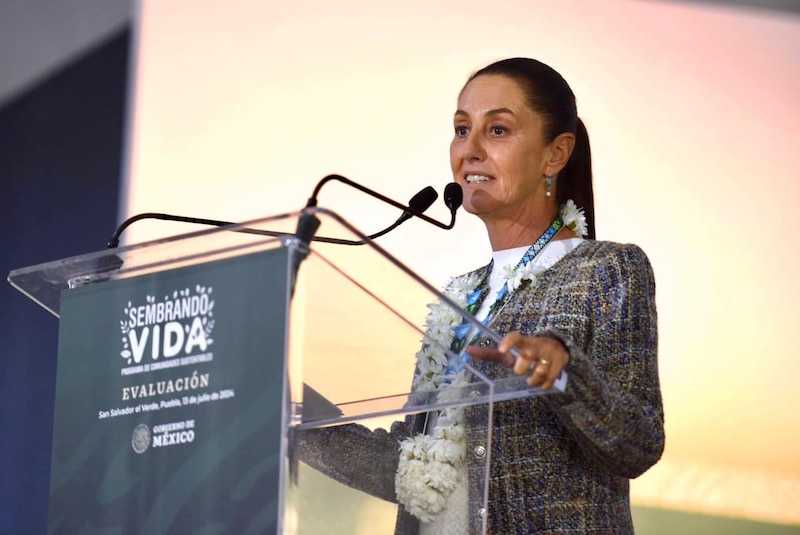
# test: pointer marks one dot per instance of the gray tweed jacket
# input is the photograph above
(560, 463)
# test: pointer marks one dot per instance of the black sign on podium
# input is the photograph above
(193, 371)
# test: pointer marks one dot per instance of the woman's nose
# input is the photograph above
(473, 147)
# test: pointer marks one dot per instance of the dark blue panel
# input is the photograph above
(60, 161)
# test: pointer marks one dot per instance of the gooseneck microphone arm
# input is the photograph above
(114, 241)
(418, 204)
(312, 201)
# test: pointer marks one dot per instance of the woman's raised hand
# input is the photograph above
(542, 358)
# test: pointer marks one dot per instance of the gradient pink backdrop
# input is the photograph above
(693, 115)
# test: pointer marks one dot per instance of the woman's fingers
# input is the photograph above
(553, 357)
(510, 341)
(491, 354)
(541, 358)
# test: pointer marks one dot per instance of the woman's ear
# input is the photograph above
(560, 151)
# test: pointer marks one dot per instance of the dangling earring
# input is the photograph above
(548, 183)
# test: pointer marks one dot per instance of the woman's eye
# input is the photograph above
(498, 130)
(461, 131)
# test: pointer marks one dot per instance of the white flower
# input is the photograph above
(507, 271)
(441, 314)
(515, 276)
(454, 389)
(526, 271)
(463, 285)
(429, 468)
(514, 282)
(574, 218)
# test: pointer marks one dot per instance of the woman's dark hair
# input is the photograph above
(550, 96)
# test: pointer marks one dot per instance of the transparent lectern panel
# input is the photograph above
(356, 325)
(363, 438)
(357, 322)
(364, 435)
(349, 477)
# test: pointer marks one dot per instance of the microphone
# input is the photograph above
(420, 202)
(453, 197)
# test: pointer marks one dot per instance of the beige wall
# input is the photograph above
(241, 107)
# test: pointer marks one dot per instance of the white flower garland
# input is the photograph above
(430, 464)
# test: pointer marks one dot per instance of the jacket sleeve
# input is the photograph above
(356, 456)
(612, 404)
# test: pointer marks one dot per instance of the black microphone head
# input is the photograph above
(453, 196)
(420, 202)
(424, 199)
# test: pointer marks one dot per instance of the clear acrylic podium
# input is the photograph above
(194, 413)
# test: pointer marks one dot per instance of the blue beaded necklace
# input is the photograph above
(476, 298)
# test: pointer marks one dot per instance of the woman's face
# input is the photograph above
(498, 154)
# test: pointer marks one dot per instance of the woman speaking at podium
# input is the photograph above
(560, 463)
